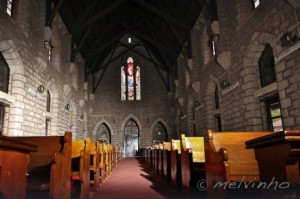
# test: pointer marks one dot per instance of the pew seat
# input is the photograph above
(228, 160)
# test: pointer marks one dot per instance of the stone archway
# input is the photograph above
(160, 131)
(98, 126)
(131, 138)
(210, 103)
(131, 117)
(17, 80)
(250, 77)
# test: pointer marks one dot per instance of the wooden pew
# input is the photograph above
(81, 165)
(50, 166)
(118, 152)
(107, 155)
(192, 162)
(160, 159)
(14, 159)
(278, 156)
(102, 162)
(94, 164)
(167, 160)
(175, 163)
(155, 157)
(228, 160)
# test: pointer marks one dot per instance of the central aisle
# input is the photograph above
(133, 180)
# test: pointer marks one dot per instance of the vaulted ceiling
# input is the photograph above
(159, 29)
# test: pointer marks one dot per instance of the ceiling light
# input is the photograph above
(129, 40)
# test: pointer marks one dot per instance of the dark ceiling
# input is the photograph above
(100, 29)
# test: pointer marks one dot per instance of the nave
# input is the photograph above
(134, 179)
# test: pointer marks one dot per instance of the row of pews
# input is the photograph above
(227, 162)
(54, 166)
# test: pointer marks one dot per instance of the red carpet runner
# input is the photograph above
(132, 179)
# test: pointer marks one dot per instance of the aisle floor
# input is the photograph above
(133, 179)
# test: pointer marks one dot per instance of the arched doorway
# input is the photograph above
(159, 133)
(131, 138)
(103, 133)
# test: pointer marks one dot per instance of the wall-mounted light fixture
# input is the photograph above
(182, 116)
(48, 44)
(224, 84)
(40, 89)
(67, 107)
(80, 117)
(38, 92)
(197, 105)
(288, 39)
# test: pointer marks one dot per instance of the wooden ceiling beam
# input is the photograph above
(161, 14)
(160, 74)
(145, 57)
(53, 13)
(80, 26)
(113, 59)
(152, 42)
(101, 76)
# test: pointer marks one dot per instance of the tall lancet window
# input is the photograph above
(130, 81)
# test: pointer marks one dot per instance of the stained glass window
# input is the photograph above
(130, 81)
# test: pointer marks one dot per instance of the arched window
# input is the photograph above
(48, 105)
(130, 81)
(267, 67)
(104, 134)
(9, 7)
(4, 74)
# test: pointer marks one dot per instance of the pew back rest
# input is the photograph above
(175, 145)
(167, 146)
(77, 147)
(93, 147)
(47, 146)
(194, 145)
(241, 161)
(160, 146)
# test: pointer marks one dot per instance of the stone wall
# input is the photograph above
(244, 31)
(154, 107)
(22, 45)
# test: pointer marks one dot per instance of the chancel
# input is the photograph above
(149, 99)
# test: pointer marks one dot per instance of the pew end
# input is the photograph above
(81, 165)
(49, 169)
(192, 162)
(175, 157)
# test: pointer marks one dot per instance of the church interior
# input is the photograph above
(162, 98)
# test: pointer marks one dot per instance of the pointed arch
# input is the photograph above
(97, 126)
(250, 77)
(130, 80)
(128, 117)
(163, 122)
(132, 137)
(210, 102)
(54, 106)
(164, 125)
